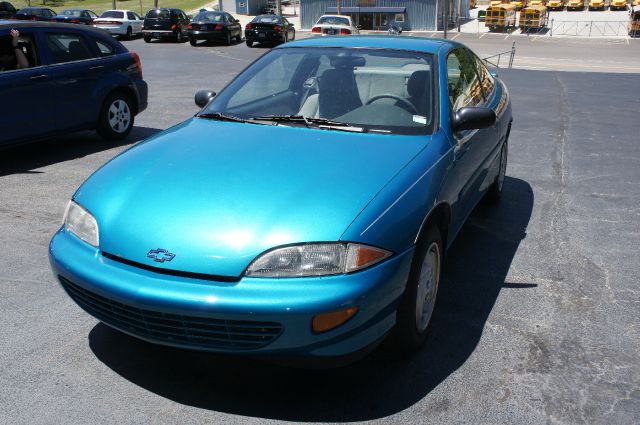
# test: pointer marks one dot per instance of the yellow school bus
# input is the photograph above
(518, 3)
(618, 4)
(634, 24)
(533, 18)
(539, 3)
(500, 17)
(555, 4)
(575, 5)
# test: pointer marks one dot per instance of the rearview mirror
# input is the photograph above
(203, 97)
(472, 118)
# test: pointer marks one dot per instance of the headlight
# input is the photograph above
(81, 223)
(317, 259)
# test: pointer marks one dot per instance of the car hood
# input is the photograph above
(217, 194)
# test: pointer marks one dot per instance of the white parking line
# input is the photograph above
(482, 35)
(456, 36)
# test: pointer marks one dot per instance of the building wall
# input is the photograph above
(420, 15)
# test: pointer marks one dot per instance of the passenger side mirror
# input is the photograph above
(472, 118)
(203, 97)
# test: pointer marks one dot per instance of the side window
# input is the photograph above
(131, 16)
(67, 47)
(51, 13)
(28, 48)
(462, 81)
(487, 81)
(104, 48)
(92, 15)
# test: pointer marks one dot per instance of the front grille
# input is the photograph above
(202, 332)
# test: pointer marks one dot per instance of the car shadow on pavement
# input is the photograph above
(26, 158)
(375, 387)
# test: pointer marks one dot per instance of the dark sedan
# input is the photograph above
(76, 16)
(214, 26)
(77, 78)
(165, 23)
(7, 11)
(269, 29)
(35, 14)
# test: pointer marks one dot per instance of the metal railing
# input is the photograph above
(496, 63)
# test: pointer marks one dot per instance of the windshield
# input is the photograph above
(71, 12)
(208, 16)
(384, 91)
(112, 14)
(333, 20)
(158, 14)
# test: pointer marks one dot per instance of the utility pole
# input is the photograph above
(113, 4)
(339, 7)
(279, 7)
(445, 17)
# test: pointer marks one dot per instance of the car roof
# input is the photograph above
(4, 24)
(421, 44)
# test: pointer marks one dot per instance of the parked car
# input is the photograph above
(76, 16)
(597, 4)
(35, 14)
(269, 29)
(78, 78)
(305, 211)
(335, 25)
(214, 26)
(120, 22)
(165, 23)
(7, 11)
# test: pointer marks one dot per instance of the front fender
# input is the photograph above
(393, 218)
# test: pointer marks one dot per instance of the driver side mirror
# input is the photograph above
(472, 118)
(203, 97)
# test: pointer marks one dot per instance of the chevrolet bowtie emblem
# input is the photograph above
(161, 255)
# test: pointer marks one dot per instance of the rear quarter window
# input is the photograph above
(104, 48)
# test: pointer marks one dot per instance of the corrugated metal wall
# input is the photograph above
(420, 14)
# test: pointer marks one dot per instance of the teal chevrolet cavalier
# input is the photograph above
(306, 210)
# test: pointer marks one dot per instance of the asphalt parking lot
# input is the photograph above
(537, 320)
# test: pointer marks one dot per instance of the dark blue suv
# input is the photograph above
(78, 78)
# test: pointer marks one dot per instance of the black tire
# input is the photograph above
(178, 36)
(228, 40)
(239, 37)
(116, 116)
(147, 39)
(495, 190)
(193, 41)
(294, 36)
(129, 35)
(249, 43)
(412, 328)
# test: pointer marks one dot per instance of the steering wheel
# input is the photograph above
(405, 102)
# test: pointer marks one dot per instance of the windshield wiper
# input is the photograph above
(225, 117)
(309, 121)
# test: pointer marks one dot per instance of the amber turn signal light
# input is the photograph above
(326, 321)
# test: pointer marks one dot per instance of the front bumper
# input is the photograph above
(281, 307)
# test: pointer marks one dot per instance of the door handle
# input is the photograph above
(96, 67)
(39, 77)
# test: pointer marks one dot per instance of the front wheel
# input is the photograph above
(178, 36)
(419, 299)
(129, 34)
(116, 117)
(495, 190)
(228, 38)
